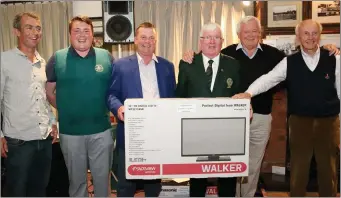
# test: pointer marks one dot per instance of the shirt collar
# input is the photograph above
(36, 53)
(317, 53)
(74, 52)
(206, 59)
(141, 60)
(240, 46)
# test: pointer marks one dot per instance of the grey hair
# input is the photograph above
(298, 26)
(245, 20)
(18, 17)
(210, 27)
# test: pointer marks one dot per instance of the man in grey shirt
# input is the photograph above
(29, 125)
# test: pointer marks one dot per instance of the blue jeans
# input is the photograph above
(28, 165)
(127, 188)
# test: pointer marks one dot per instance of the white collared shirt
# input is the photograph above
(240, 46)
(215, 66)
(150, 87)
(279, 74)
(26, 112)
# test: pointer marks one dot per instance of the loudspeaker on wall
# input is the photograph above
(118, 21)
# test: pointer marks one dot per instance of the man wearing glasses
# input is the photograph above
(256, 59)
(210, 75)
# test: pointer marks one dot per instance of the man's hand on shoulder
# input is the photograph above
(332, 49)
(188, 56)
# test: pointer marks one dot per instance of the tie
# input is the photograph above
(209, 72)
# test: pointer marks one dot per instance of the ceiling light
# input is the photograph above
(246, 3)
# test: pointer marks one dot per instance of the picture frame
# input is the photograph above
(326, 12)
(329, 27)
(283, 14)
(97, 23)
(285, 43)
(261, 11)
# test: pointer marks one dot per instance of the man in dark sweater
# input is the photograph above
(313, 83)
(255, 59)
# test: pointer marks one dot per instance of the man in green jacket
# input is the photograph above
(210, 75)
(77, 82)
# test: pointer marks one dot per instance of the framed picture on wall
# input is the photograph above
(97, 22)
(283, 14)
(264, 10)
(326, 11)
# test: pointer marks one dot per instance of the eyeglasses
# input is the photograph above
(208, 38)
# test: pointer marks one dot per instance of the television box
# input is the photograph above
(181, 138)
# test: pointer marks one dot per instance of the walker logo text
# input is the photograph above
(221, 168)
(204, 168)
(145, 169)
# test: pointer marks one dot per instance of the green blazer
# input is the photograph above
(192, 80)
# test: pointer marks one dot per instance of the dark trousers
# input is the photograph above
(59, 180)
(127, 188)
(226, 187)
(28, 166)
(318, 136)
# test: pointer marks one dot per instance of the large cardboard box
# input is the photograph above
(186, 138)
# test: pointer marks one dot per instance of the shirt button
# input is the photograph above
(37, 111)
(39, 123)
(36, 99)
(36, 87)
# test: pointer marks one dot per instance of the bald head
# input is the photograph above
(308, 33)
(308, 22)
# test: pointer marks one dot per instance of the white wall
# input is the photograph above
(88, 8)
(94, 8)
